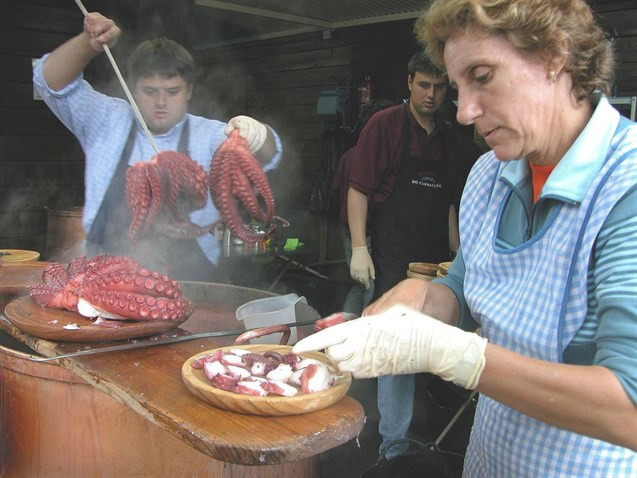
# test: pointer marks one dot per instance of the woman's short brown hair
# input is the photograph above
(553, 28)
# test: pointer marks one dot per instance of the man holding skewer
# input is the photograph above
(161, 76)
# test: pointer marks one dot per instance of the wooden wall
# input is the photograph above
(277, 81)
(40, 162)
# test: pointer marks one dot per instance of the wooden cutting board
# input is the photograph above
(46, 323)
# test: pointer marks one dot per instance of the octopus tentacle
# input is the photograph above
(142, 281)
(245, 191)
(138, 197)
(157, 184)
(131, 305)
(55, 275)
(251, 168)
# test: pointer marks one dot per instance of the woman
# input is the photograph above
(548, 264)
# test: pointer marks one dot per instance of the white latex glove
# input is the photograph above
(401, 341)
(254, 132)
(361, 267)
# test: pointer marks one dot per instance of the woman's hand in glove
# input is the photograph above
(361, 267)
(254, 132)
(401, 341)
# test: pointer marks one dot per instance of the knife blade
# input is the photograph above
(173, 340)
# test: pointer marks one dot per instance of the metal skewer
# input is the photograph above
(138, 114)
(174, 340)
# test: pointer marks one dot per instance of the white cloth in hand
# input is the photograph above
(361, 267)
(401, 341)
(253, 131)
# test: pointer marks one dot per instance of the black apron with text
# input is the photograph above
(412, 224)
(182, 259)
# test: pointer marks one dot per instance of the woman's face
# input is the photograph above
(507, 95)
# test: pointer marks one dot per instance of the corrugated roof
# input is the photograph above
(263, 19)
(235, 21)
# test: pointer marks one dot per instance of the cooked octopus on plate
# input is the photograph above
(265, 374)
(110, 287)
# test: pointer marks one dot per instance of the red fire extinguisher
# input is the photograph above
(365, 92)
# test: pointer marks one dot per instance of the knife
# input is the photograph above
(333, 319)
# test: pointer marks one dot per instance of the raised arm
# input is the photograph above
(68, 60)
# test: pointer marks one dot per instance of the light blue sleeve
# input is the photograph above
(615, 289)
(84, 111)
(278, 152)
(455, 281)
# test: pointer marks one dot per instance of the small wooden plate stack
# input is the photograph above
(443, 269)
(422, 270)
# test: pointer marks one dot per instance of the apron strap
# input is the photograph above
(97, 235)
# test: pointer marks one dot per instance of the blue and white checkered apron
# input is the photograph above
(532, 299)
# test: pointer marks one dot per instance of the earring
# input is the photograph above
(552, 76)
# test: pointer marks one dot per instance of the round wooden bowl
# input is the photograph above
(11, 256)
(424, 268)
(199, 385)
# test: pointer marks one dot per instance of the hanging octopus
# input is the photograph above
(162, 192)
(236, 177)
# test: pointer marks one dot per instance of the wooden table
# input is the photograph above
(148, 381)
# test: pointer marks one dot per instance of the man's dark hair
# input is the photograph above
(420, 63)
(163, 57)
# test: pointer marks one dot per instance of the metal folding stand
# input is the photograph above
(292, 263)
(428, 458)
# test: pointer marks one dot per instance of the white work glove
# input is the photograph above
(401, 341)
(254, 132)
(361, 267)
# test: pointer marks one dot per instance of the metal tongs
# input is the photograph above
(337, 317)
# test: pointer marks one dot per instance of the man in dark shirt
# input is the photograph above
(408, 173)
(359, 295)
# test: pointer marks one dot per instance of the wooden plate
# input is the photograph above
(18, 255)
(46, 323)
(197, 383)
